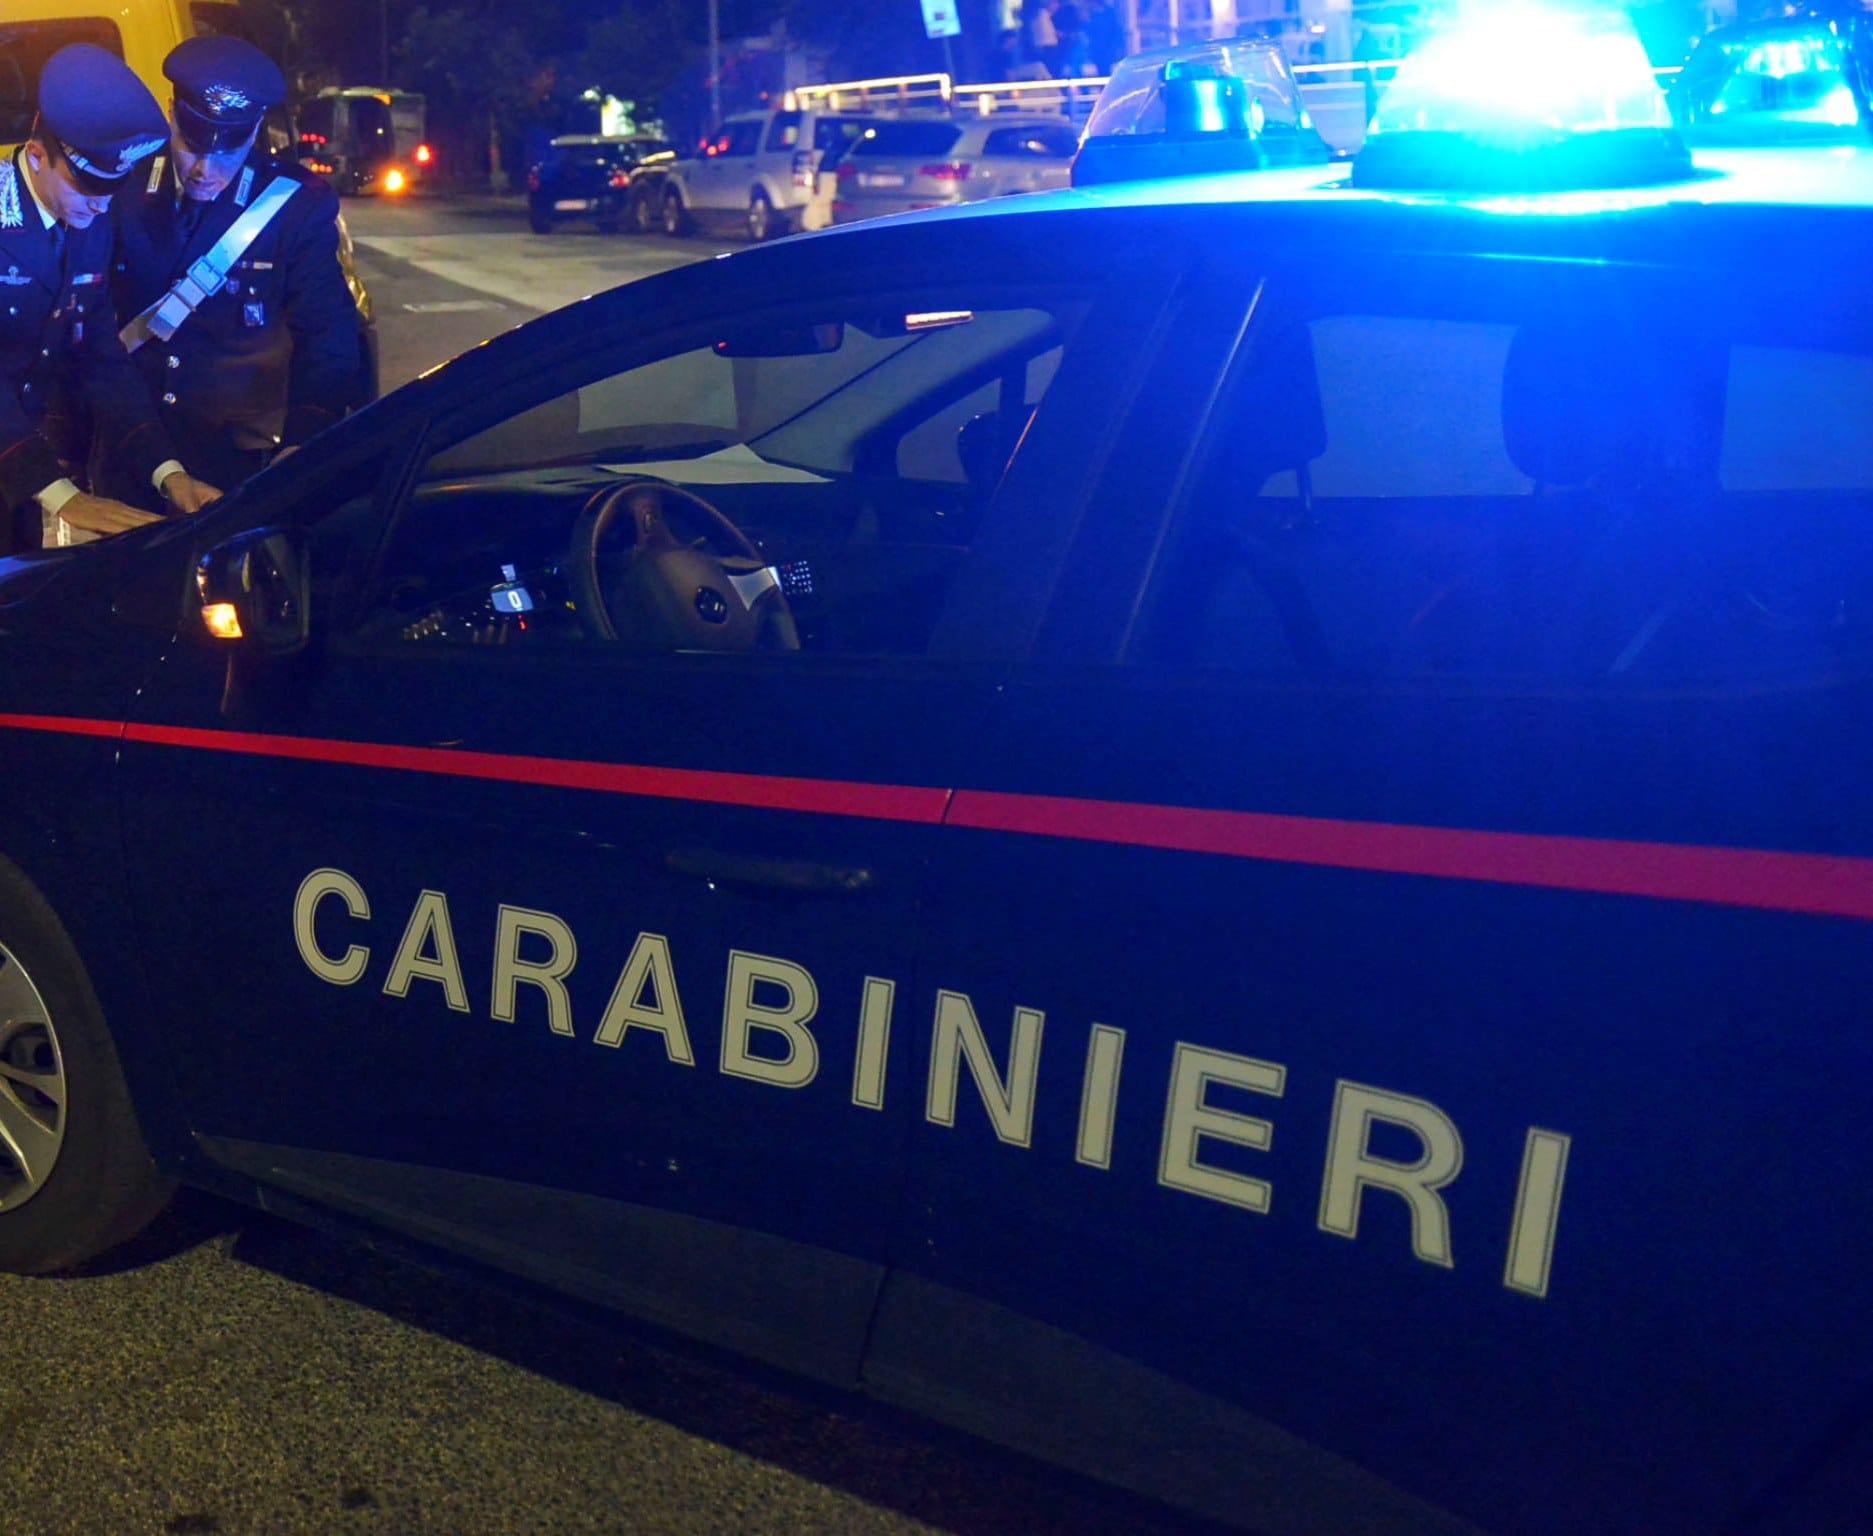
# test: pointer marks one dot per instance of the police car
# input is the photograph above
(1220, 827)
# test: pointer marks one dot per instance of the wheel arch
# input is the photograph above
(78, 870)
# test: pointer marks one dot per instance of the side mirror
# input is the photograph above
(254, 592)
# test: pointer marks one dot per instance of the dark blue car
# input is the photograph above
(1221, 830)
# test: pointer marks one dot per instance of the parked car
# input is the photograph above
(586, 174)
(759, 175)
(1220, 829)
(897, 165)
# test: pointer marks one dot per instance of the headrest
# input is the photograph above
(1593, 399)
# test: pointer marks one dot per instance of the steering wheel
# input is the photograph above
(690, 580)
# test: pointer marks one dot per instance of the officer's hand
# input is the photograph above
(187, 494)
(99, 514)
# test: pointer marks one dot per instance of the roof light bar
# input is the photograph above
(1227, 105)
(1786, 81)
(1524, 97)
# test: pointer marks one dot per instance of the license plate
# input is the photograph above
(572, 205)
(881, 179)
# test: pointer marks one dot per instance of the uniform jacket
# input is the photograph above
(276, 351)
(57, 322)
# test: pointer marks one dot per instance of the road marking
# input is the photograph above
(454, 306)
(512, 267)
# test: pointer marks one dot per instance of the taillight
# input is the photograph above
(620, 178)
(804, 162)
(947, 170)
(424, 154)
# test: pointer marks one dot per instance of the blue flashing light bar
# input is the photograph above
(1785, 81)
(1524, 97)
(1227, 105)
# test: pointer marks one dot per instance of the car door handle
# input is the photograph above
(801, 876)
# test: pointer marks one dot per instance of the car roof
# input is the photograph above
(580, 139)
(1810, 178)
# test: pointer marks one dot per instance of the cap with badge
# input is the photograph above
(223, 88)
(102, 116)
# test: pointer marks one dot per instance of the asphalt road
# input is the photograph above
(446, 274)
(229, 1374)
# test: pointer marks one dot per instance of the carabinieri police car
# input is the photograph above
(1221, 827)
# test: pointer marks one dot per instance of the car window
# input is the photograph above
(855, 448)
(1513, 479)
(24, 48)
(741, 138)
(784, 131)
(832, 134)
(315, 122)
(1044, 143)
(371, 131)
(905, 139)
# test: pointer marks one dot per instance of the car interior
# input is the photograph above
(1571, 496)
(806, 487)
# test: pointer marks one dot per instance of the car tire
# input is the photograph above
(643, 215)
(539, 218)
(762, 223)
(86, 1181)
(675, 219)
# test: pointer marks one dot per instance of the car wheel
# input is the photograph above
(75, 1175)
(643, 214)
(760, 216)
(675, 220)
(539, 218)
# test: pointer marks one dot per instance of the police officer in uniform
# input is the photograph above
(96, 124)
(264, 350)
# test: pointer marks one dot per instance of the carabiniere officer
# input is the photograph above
(235, 307)
(95, 124)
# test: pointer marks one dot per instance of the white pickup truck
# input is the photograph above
(759, 174)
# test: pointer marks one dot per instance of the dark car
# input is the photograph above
(586, 175)
(1223, 830)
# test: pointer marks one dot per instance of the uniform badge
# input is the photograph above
(12, 215)
(254, 312)
(14, 278)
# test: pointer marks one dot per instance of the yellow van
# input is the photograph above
(141, 32)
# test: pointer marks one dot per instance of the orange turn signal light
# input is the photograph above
(223, 620)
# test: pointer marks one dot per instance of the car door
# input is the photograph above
(721, 180)
(1404, 940)
(573, 942)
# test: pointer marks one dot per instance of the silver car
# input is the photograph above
(903, 163)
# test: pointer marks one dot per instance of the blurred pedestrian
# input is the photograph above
(95, 124)
(1105, 36)
(1071, 60)
(238, 314)
(1040, 43)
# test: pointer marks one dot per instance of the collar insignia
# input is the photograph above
(247, 185)
(12, 214)
(156, 174)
